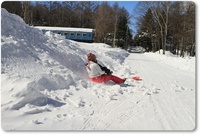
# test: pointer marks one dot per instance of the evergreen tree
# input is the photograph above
(123, 35)
(147, 32)
(14, 7)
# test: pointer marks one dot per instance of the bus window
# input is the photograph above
(84, 34)
(66, 33)
(78, 34)
(72, 34)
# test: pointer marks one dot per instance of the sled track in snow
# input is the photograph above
(117, 117)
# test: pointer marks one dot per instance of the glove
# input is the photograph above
(109, 73)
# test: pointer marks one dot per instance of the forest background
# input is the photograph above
(166, 25)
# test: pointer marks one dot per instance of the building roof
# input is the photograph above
(65, 29)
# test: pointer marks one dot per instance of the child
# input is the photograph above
(98, 73)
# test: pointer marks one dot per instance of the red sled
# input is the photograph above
(136, 78)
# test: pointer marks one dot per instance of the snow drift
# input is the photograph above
(27, 53)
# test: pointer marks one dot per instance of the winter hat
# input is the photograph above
(91, 57)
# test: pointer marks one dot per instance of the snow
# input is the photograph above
(44, 85)
(64, 29)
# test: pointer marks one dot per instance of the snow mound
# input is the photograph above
(37, 99)
(119, 56)
(48, 62)
(186, 63)
(28, 53)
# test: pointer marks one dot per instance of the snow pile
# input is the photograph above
(136, 49)
(186, 63)
(27, 53)
(44, 63)
(44, 81)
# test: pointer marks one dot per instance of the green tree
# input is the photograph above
(148, 27)
(123, 32)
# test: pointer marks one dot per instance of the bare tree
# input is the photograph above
(71, 14)
(116, 10)
(182, 28)
(188, 41)
(160, 11)
(26, 11)
(104, 21)
(86, 13)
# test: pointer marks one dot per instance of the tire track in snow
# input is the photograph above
(148, 87)
(117, 116)
(130, 113)
(93, 122)
(169, 108)
(177, 116)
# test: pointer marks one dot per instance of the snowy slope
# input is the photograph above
(44, 85)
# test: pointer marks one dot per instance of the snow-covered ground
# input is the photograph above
(44, 85)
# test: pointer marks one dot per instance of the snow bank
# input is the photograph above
(48, 62)
(186, 63)
(27, 53)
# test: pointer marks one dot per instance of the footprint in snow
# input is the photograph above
(81, 103)
(113, 97)
(36, 122)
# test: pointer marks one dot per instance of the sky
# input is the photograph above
(129, 6)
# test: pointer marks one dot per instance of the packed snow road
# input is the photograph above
(171, 92)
